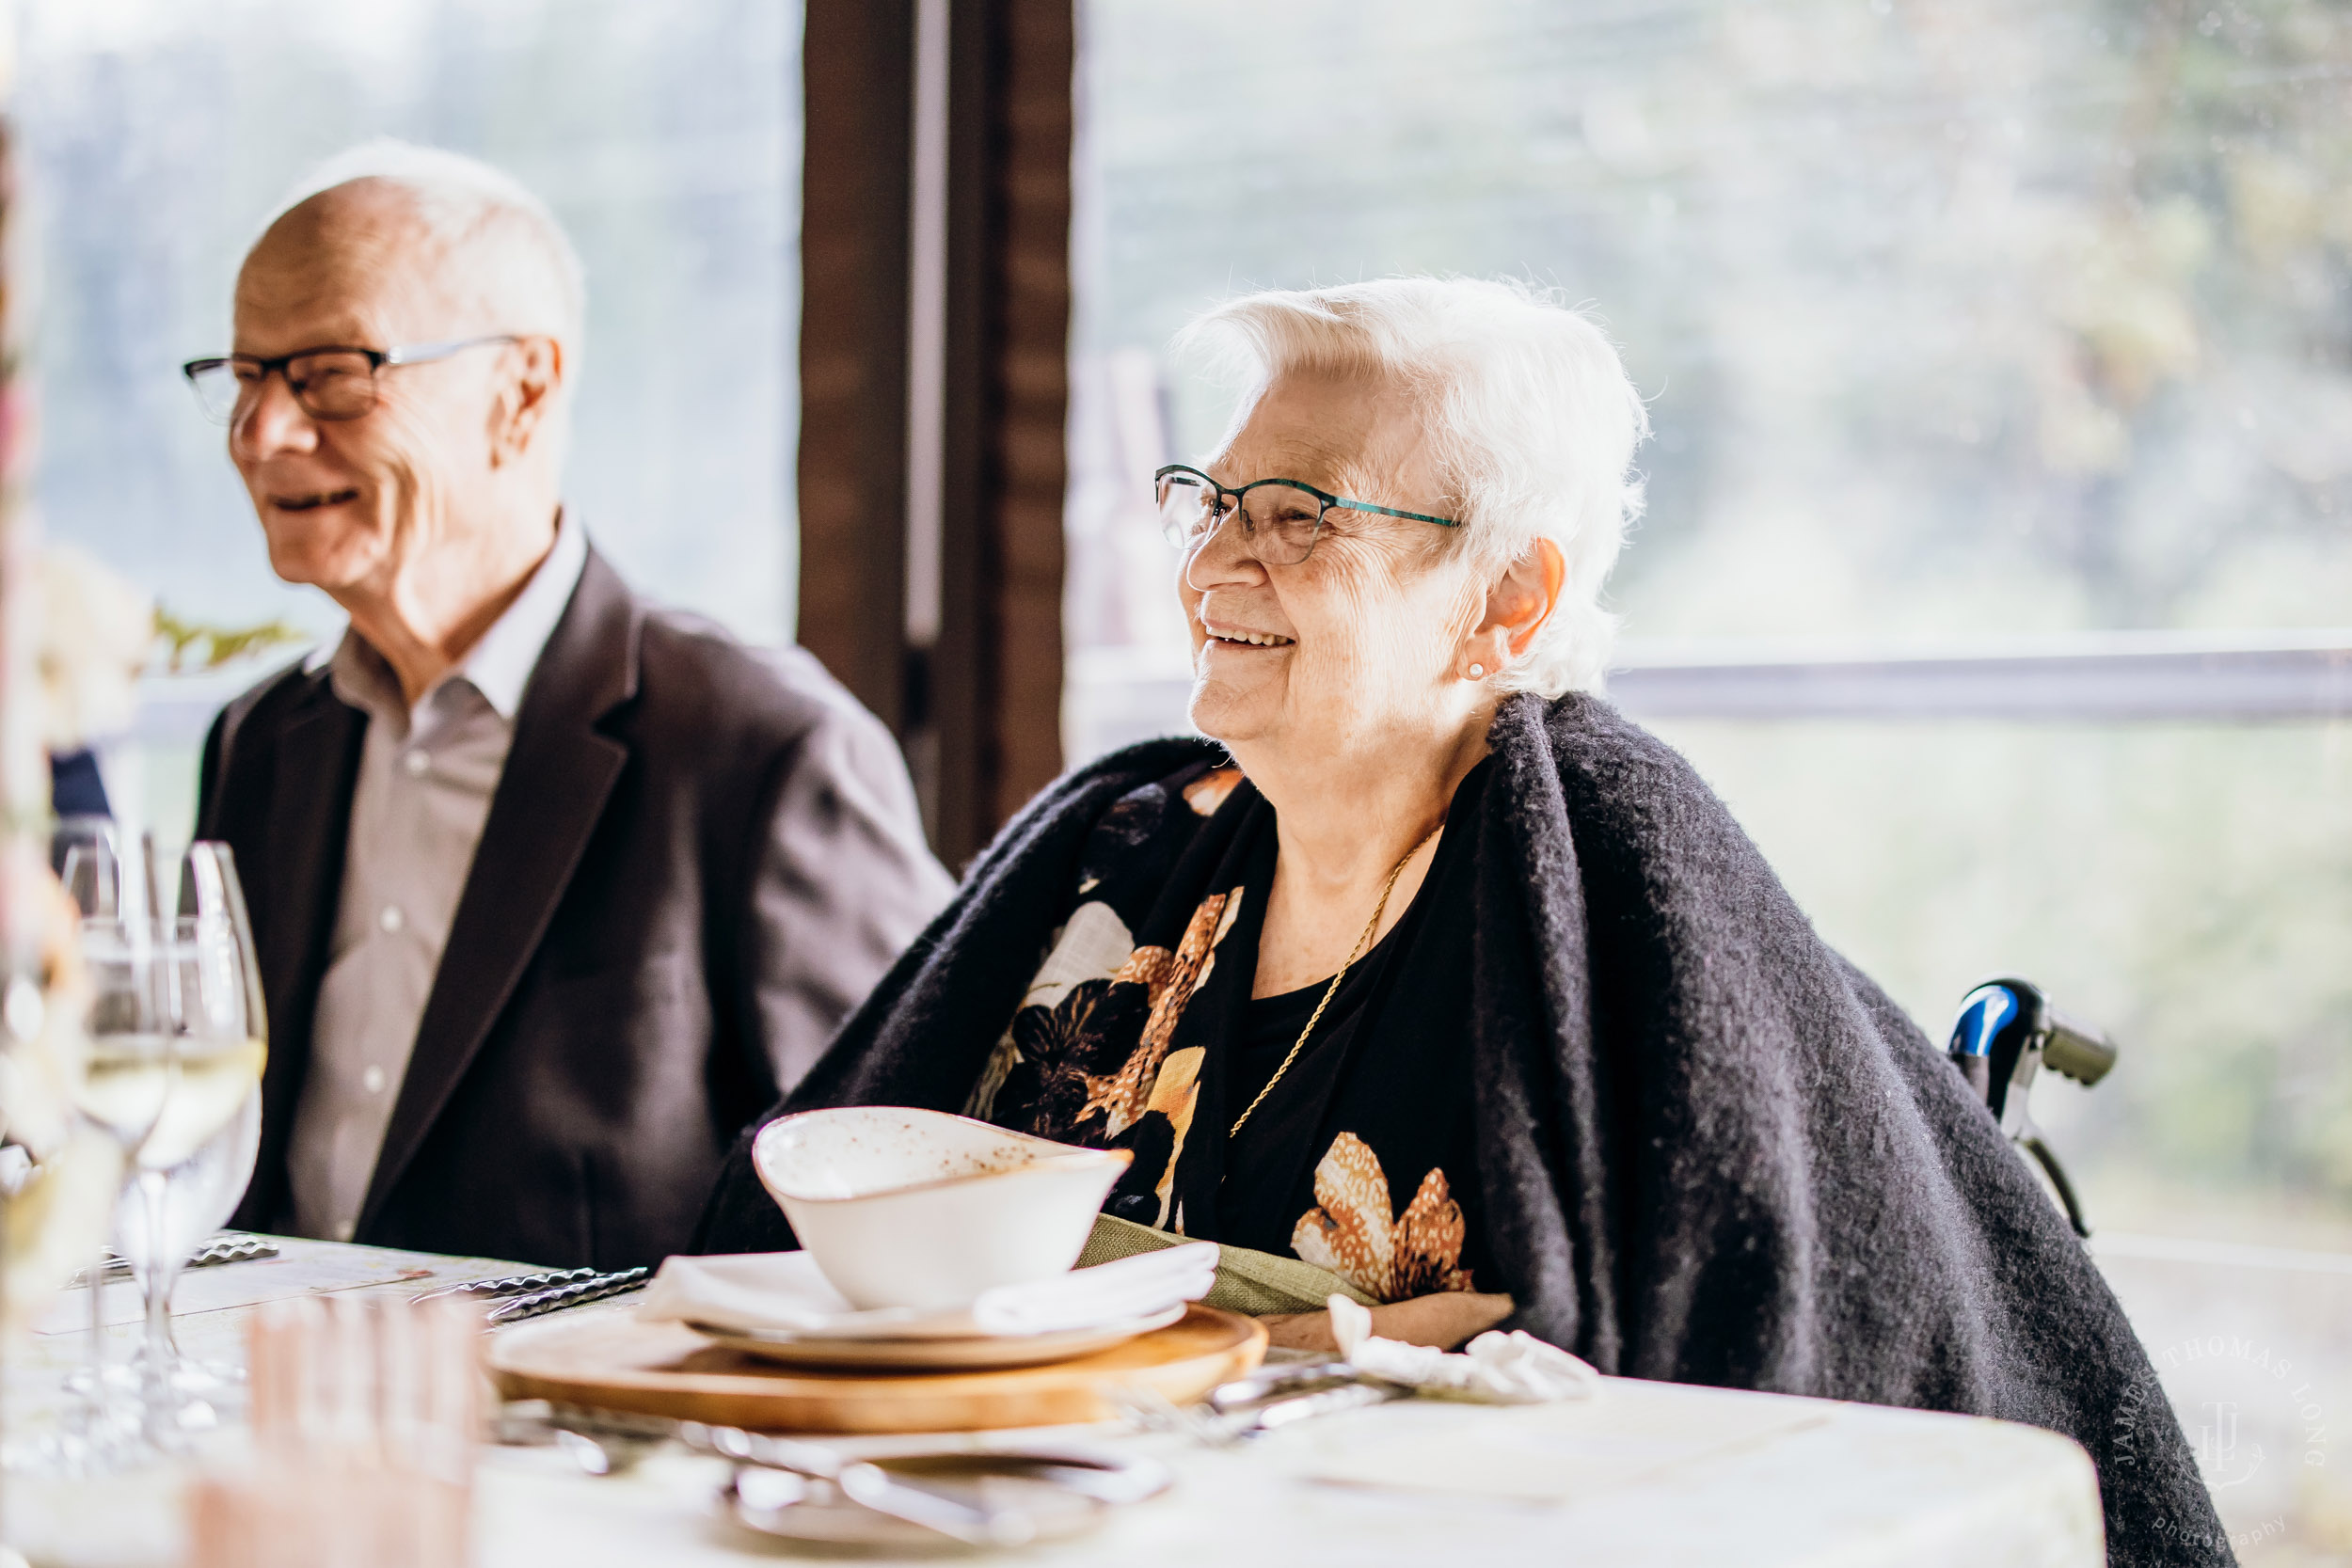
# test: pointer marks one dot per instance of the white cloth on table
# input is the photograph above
(1494, 1369)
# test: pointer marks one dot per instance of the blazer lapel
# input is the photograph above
(316, 768)
(297, 880)
(559, 774)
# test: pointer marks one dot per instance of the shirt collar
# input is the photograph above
(500, 663)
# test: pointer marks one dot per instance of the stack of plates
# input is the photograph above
(933, 1343)
(780, 1308)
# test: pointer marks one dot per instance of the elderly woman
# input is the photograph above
(1431, 970)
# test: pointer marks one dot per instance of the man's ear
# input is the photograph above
(534, 377)
(1519, 602)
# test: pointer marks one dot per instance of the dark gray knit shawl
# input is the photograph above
(1715, 1152)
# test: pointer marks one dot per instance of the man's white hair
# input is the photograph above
(523, 264)
(1527, 408)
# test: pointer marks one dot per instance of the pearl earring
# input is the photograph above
(1476, 670)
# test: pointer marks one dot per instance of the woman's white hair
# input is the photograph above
(1528, 414)
(524, 264)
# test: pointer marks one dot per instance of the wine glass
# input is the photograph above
(213, 1003)
(126, 1089)
(127, 1072)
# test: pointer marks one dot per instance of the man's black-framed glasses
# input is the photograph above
(331, 383)
(1280, 519)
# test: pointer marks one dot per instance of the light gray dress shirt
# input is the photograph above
(426, 775)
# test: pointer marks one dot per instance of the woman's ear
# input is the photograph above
(1519, 602)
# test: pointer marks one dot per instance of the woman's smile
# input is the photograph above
(1243, 637)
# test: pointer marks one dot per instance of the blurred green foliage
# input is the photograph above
(189, 646)
(2186, 887)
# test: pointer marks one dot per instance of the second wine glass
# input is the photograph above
(211, 998)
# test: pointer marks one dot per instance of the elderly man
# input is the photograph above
(554, 890)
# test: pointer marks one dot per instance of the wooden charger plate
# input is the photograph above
(611, 1361)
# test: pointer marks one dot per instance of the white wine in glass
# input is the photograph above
(213, 1004)
(215, 1079)
(125, 1083)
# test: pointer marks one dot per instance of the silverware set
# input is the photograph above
(516, 1295)
(531, 1295)
(1266, 1400)
(979, 1497)
(786, 1486)
(226, 1248)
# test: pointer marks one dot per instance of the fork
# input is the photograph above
(226, 1248)
(508, 1285)
(608, 1443)
(531, 1295)
(1235, 1420)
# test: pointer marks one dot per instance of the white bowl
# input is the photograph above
(906, 1208)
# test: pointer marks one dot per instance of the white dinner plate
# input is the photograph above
(1001, 1350)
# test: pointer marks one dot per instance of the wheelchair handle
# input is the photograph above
(2006, 1032)
(2075, 1049)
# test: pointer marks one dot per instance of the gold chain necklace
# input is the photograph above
(1331, 991)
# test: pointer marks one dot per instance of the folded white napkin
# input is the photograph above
(1494, 1369)
(785, 1293)
(1118, 1291)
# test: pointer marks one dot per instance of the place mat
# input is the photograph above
(608, 1361)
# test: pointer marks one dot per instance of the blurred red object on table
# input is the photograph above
(366, 1418)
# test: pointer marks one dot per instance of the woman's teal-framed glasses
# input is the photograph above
(1280, 519)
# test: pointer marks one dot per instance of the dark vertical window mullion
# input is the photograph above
(857, 67)
(960, 651)
(964, 683)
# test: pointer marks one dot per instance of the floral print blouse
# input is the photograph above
(1138, 1031)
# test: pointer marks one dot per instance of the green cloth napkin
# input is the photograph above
(1258, 1283)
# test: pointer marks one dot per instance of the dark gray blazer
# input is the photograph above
(698, 860)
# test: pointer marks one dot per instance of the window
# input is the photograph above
(667, 138)
(1993, 326)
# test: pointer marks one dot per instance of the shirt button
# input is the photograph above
(416, 762)
(344, 1230)
(392, 919)
(374, 1079)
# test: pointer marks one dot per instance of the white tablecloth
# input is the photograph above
(1649, 1474)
